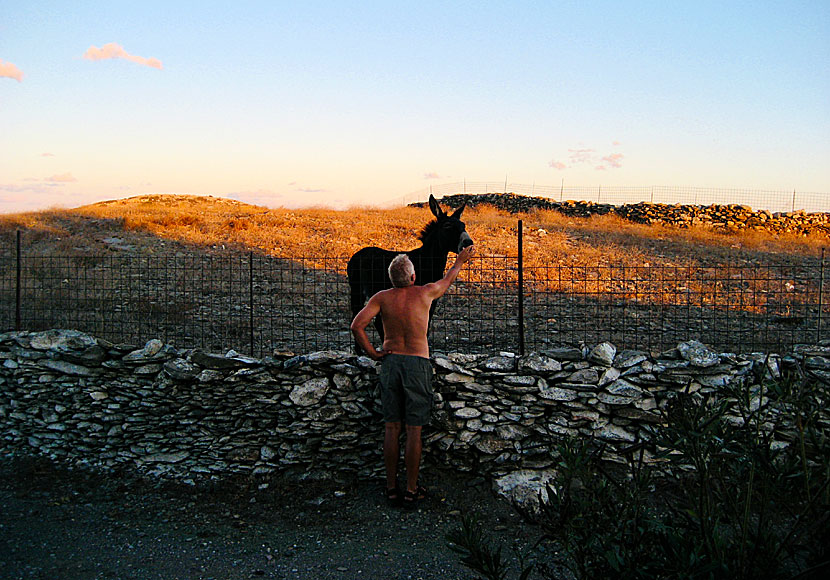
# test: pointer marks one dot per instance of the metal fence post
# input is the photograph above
(251, 297)
(17, 287)
(820, 296)
(521, 296)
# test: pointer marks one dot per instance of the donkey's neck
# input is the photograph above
(431, 258)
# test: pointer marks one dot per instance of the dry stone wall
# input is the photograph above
(193, 415)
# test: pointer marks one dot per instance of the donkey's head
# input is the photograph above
(447, 232)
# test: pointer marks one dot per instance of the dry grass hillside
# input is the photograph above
(583, 277)
(156, 222)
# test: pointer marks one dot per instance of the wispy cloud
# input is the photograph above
(61, 178)
(305, 189)
(613, 160)
(28, 186)
(581, 155)
(15, 188)
(10, 71)
(32, 197)
(586, 156)
(47, 154)
(431, 175)
(113, 50)
(39, 185)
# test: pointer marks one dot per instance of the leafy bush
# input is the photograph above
(739, 490)
(478, 552)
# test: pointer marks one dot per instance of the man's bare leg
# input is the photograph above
(391, 453)
(412, 457)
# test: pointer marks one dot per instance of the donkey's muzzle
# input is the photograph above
(464, 241)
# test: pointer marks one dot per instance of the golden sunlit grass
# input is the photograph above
(550, 238)
(598, 256)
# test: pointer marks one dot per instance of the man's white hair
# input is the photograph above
(401, 271)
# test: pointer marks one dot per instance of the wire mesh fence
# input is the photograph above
(772, 200)
(259, 304)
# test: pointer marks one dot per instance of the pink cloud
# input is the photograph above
(431, 175)
(8, 70)
(589, 157)
(13, 188)
(581, 155)
(613, 160)
(47, 154)
(62, 178)
(113, 50)
(30, 186)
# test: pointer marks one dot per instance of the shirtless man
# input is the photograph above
(406, 371)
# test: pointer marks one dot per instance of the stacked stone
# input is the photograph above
(508, 410)
(726, 217)
(192, 415)
(185, 413)
(514, 203)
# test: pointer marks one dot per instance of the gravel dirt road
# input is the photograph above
(57, 523)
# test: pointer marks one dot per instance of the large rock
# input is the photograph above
(698, 354)
(310, 392)
(68, 368)
(539, 363)
(219, 362)
(181, 369)
(603, 354)
(61, 340)
(525, 488)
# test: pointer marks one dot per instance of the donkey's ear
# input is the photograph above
(457, 213)
(433, 205)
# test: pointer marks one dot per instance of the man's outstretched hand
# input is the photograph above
(465, 254)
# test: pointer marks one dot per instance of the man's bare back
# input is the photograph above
(405, 313)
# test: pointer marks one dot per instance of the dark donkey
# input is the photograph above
(368, 268)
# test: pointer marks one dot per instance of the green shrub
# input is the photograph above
(739, 490)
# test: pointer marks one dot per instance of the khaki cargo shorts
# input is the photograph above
(406, 389)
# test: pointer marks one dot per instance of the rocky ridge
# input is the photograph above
(728, 217)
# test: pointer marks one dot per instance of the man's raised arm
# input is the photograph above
(437, 289)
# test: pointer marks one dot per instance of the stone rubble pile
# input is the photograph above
(192, 415)
(719, 217)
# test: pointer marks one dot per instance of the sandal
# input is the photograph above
(411, 499)
(393, 496)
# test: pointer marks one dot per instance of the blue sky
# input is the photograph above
(334, 103)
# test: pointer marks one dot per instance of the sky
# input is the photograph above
(340, 103)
